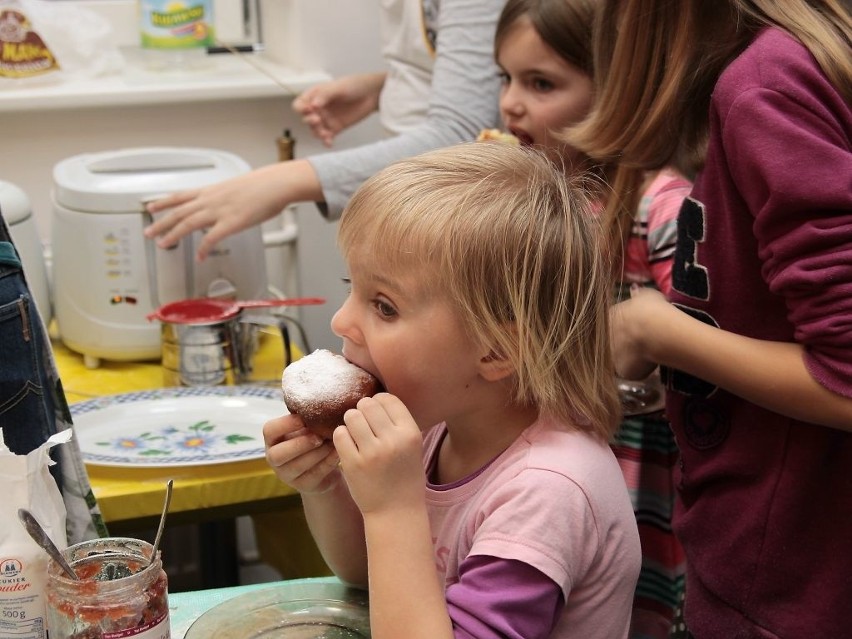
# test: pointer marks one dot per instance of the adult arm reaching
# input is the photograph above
(230, 206)
(463, 100)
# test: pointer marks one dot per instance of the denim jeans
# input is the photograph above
(26, 397)
(32, 402)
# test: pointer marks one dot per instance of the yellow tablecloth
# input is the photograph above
(200, 492)
(111, 378)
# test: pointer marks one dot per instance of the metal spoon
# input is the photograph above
(39, 535)
(162, 520)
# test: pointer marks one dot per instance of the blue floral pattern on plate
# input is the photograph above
(176, 426)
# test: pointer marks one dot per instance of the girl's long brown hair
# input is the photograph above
(656, 63)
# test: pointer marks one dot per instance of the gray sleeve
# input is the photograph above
(463, 101)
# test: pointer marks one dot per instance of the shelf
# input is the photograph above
(224, 77)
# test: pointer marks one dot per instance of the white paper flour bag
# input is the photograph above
(27, 483)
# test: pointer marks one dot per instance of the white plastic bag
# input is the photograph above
(27, 483)
(42, 40)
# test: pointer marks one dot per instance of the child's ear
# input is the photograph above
(494, 366)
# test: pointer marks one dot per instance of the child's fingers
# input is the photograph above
(278, 429)
(344, 445)
(385, 413)
(285, 451)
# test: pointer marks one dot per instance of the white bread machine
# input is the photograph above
(107, 277)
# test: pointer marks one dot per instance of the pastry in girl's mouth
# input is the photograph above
(496, 135)
(322, 386)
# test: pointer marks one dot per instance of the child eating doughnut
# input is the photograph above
(478, 496)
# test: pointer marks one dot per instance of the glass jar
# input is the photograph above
(119, 593)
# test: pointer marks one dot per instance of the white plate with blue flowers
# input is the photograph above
(176, 426)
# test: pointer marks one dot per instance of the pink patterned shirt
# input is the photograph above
(650, 247)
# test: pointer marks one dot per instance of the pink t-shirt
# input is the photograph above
(554, 500)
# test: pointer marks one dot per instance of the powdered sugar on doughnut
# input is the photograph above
(323, 384)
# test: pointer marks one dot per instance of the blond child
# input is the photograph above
(478, 497)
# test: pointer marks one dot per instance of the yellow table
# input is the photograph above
(212, 496)
(133, 497)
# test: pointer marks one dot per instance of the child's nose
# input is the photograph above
(341, 323)
(510, 101)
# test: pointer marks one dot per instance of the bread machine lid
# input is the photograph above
(119, 181)
(14, 203)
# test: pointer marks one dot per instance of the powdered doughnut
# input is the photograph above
(320, 387)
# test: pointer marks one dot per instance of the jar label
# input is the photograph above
(156, 629)
(22, 583)
(166, 24)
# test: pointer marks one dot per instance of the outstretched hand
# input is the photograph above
(380, 452)
(331, 107)
(233, 205)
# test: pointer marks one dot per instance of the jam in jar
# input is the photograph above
(120, 592)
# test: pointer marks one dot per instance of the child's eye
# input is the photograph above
(540, 84)
(348, 282)
(504, 78)
(384, 309)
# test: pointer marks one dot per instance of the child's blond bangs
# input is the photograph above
(392, 225)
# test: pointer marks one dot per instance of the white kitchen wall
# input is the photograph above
(336, 36)
(339, 36)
